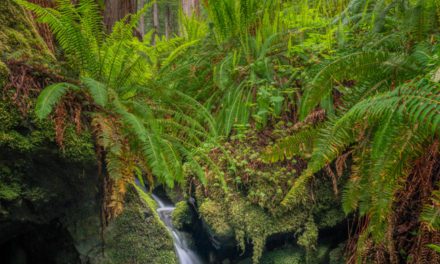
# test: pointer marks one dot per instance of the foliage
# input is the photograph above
(250, 210)
(382, 102)
(131, 121)
(345, 85)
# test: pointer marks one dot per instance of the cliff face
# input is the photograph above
(50, 200)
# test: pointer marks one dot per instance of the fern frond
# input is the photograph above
(298, 144)
(417, 103)
(50, 96)
(351, 67)
(97, 90)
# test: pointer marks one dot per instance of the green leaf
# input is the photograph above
(436, 248)
(97, 89)
(50, 96)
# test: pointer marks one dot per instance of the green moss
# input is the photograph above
(182, 215)
(4, 73)
(214, 215)
(250, 208)
(18, 36)
(9, 192)
(281, 256)
(137, 236)
(309, 237)
(78, 147)
(336, 256)
(292, 256)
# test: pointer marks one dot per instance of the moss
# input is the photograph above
(4, 73)
(309, 237)
(336, 255)
(9, 192)
(281, 256)
(291, 256)
(18, 36)
(78, 147)
(137, 236)
(214, 215)
(182, 215)
(250, 208)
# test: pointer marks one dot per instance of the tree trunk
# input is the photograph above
(190, 6)
(141, 27)
(115, 10)
(168, 22)
(155, 23)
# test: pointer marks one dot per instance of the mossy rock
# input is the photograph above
(214, 216)
(336, 255)
(182, 215)
(249, 208)
(137, 235)
(281, 256)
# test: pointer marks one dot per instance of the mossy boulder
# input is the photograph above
(182, 215)
(214, 216)
(293, 255)
(242, 198)
(137, 235)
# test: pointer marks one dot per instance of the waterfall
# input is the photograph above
(181, 240)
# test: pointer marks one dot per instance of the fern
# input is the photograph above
(416, 102)
(97, 90)
(298, 144)
(50, 96)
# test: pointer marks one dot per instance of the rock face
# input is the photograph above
(50, 197)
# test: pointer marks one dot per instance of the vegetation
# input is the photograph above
(275, 117)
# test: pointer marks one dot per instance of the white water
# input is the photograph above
(185, 254)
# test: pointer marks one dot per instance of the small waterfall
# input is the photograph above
(183, 250)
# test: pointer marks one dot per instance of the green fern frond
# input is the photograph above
(298, 144)
(350, 67)
(97, 90)
(50, 96)
(417, 103)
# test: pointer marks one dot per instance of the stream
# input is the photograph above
(181, 240)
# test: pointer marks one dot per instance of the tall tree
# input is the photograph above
(141, 27)
(116, 10)
(155, 22)
(190, 6)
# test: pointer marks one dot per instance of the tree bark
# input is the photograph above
(141, 27)
(168, 21)
(190, 6)
(115, 10)
(155, 23)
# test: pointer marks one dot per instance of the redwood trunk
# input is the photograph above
(115, 10)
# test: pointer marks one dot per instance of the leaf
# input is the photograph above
(97, 89)
(434, 247)
(277, 99)
(50, 96)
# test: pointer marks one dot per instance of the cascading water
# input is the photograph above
(181, 241)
